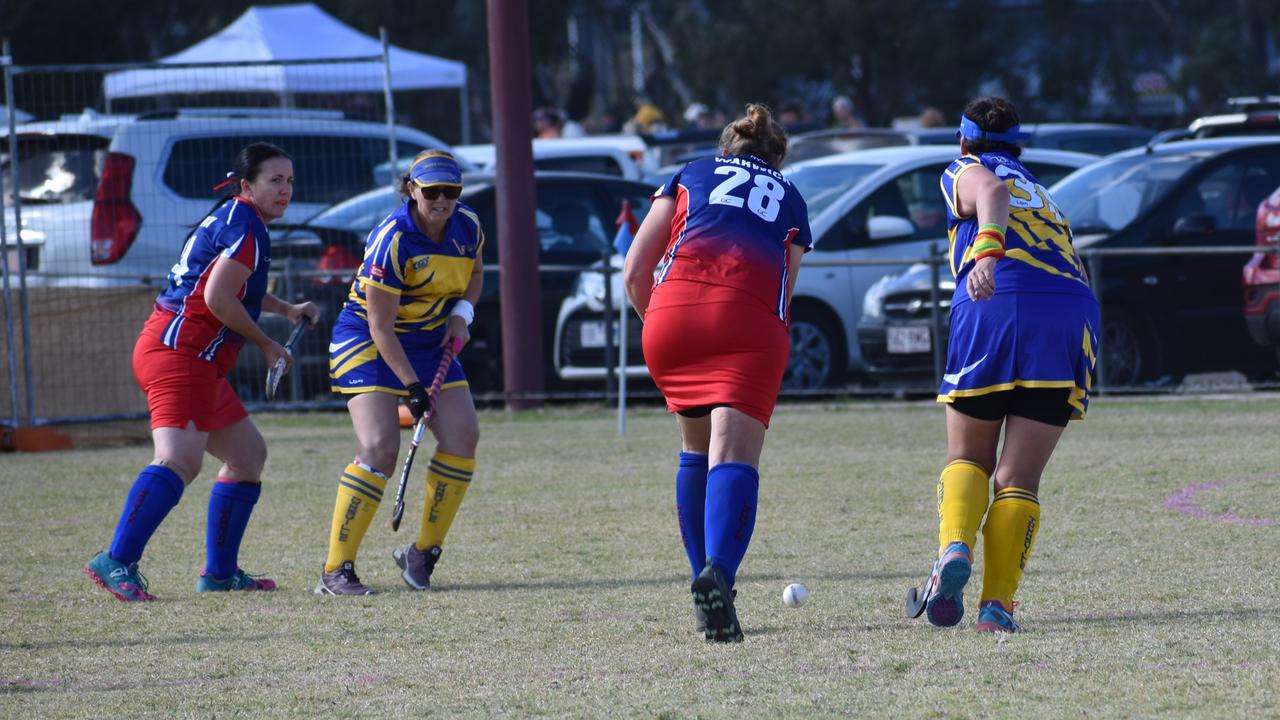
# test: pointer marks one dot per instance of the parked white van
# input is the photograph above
(109, 199)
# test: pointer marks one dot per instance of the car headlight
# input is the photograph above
(591, 286)
(873, 301)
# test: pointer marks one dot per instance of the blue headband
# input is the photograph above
(969, 130)
(436, 170)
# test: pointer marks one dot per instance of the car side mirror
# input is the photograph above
(1194, 224)
(890, 227)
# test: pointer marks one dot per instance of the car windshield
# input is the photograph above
(1111, 193)
(821, 185)
(360, 213)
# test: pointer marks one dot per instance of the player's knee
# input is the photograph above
(185, 467)
(381, 454)
(458, 438)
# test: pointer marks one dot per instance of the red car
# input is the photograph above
(1262, 277)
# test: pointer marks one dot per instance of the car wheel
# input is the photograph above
(817, 353)
(1130, 354)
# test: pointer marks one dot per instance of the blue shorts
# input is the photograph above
(1022, 339)
(355, 366)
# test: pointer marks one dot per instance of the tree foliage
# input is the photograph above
(894, 57)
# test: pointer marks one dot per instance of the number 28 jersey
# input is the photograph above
(736, 218)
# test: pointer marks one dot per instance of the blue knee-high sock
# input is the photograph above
(691, 499)
(230, 504)
(156, 491)
(732, 492)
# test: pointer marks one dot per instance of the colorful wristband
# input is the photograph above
(989, 242)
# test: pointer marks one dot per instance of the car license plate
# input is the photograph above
(592, 334)
(908, 339)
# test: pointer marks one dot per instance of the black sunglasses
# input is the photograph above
(435, 191)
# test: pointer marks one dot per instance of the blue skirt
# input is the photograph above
(1022, 339)
(355, 366)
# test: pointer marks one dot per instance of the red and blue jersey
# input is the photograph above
(736, 218)
(234, 232)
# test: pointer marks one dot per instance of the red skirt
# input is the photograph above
(715, 345)
(182, 389)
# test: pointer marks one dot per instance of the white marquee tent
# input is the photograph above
(288, 33)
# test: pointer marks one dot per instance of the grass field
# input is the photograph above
(563, 590)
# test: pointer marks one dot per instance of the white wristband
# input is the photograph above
(465, 310)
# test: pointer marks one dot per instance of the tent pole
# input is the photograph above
(391, 105)
(466, 116)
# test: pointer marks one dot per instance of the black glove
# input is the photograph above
(419, 401)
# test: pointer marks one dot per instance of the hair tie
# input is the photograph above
(230, 177)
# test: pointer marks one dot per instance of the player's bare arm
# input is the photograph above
(222, 297)
(646, 250)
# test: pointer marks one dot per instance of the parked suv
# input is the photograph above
(1262, 278)
(108, 200)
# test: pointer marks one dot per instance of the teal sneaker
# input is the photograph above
(993, 618)
(241, 580)
(951, 572)
(123, 581)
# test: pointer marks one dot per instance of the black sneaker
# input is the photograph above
(342, 581)
(416, 565)
(700, 618)
(714, 598)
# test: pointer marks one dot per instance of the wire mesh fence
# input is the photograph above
(100, 191)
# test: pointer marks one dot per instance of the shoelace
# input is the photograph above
(132, 574)
(242, 579)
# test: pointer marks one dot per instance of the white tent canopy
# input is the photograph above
(287, 33)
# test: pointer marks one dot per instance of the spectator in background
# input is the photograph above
(547, 123)
(698, 117)
(843, 114)
(790, 115)
(571, 128)
(932, 117)
(648, 117)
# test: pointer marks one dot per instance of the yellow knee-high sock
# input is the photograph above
(359, 494)
(1007, 539)
(447, 480)
(962, 501)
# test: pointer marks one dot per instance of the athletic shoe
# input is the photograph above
(416, 565)
(945, 605)
(241, 580)
(713, 596)
(342, 581)
(123, 581)
(993, 618)
(700, 617)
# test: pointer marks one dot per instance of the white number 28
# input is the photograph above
(764, 199)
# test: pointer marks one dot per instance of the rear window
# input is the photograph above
(327, 169)
(55, 168)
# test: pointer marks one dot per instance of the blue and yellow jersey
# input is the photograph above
(1038, 256)
(428, 276)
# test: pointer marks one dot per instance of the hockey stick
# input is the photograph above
(277, 371)
(446, 359)
(917, 598)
